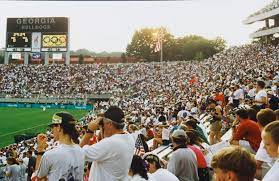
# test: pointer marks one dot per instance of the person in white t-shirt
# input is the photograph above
(238, 95)
(261, 96)
(264, 161)
(270, 136)
(112, 156)
(157, 173)
(65, 162)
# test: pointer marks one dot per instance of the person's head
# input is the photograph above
(191, 124)
(270, 137)
(29, 154)
(64, 126)
(260, 85)
(194, 139)
(212, 103)
(233, 164)
(179, 138)
(11, 161)
(138, 167)
(264, 117)
(113, 121)
(153, 162)
(241, 114)
(252, 114)
(277, 114)
(132, 128)
(162, 119)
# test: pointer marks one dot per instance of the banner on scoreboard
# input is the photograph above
(36, 41)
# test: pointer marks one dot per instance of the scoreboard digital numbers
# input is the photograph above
(36, 34)
(20, 41)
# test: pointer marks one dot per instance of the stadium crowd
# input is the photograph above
(168, 121)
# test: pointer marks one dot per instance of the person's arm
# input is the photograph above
(41, 139)
(92, 126)
(42, 144)
(259, 170)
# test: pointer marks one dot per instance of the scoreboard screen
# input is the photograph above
(54, 41)
(19, 41)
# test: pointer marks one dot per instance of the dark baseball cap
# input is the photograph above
(115, 114)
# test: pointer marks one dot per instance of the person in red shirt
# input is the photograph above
(247, 130)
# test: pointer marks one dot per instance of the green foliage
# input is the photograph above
(86, 52)
(182, 48)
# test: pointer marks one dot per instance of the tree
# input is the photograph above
(144, 41)
(219, 44)
(182, 48)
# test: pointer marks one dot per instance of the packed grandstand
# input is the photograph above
(164, 121)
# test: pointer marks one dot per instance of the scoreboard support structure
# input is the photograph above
(6, 60)
(26, 58)
(46, 58)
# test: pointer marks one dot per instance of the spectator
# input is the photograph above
(31, 164)
(215, 122)
(233, 163)
(183, 162)
(138, 171)
(13, 170)
(264, 161)
(113, 155)
(155, 169)
(261, 96)
(273, 100)
(66, 161)
(246, 130)
(238, 95)
(270, 138)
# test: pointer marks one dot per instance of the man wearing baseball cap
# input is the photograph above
(112, 156)
(183, 162)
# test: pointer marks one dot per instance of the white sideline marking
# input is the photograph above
(21, 130)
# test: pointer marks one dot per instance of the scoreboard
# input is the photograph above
(19, 41)
(47, 34)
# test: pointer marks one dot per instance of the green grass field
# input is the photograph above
(15, 121)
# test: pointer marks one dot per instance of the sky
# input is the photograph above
(109, 25)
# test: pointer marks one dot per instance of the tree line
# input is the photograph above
(189, 47)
